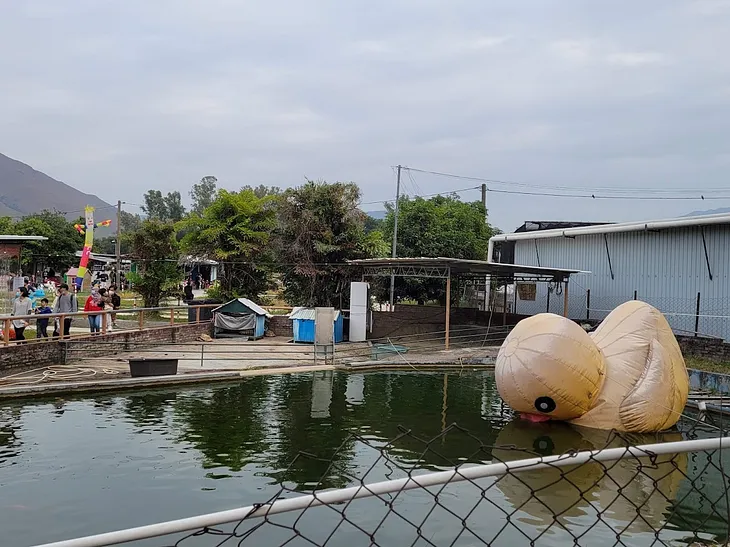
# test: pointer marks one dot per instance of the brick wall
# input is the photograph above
(712, 349)
(27, 356)
(281, 325)
(33, 355)
(407, 320)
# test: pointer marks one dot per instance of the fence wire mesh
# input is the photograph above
(640, 497)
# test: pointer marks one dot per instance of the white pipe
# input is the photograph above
(616, 228)
(387, 487)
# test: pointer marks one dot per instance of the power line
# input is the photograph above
(425, 195)
(621, 190)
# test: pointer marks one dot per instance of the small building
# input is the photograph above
(681, 266)
(303, 325)
(240, 317)
(202, 271)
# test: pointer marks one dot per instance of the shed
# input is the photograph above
(303, 325)
(240, 316)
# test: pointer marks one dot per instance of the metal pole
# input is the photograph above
(448, 307)
(588, 304)
(547, 310)
(395, 234)
(119, 246)
(697, 315)
(504, 305)
(636, 294)
(565, 299)
(487, 280)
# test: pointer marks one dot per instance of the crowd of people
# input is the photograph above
(33, 299)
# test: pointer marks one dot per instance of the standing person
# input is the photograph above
(116, 301)
(94, 303)
(188, 291)
(42, 324)
(21, 306)
(105, 302)
(65, 303)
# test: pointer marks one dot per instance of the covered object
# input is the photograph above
(240, 316)
(303, 325)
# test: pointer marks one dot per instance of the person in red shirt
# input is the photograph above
(94, 303)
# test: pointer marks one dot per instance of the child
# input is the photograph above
(42, 324)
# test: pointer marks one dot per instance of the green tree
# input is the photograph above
(167, 208)
(203, 194)
(130, 222)
(234, 230)
(320, 228)
(439, 226)
(155, 250)
(59, 250)
(262, 190)
(174, 207)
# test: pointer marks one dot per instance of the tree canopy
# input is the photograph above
(203, 194)
(234, 230)
(320, 228)
(167, 208)
(59, 251)
(439, 226)
(155, 248)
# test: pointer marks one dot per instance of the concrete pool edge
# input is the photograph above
(126, 384)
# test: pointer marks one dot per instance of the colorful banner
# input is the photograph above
(88, 243)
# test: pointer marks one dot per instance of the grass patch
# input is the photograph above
(699, 363)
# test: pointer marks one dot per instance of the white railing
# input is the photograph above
(345, 495)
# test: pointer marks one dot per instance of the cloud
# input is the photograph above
(140, 94)
(635, 59)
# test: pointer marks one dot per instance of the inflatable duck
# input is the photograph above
(628, 375)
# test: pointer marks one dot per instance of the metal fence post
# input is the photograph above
(635, 295)
(588, 304)
(697, 315)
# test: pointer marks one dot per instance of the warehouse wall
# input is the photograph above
(666, 269)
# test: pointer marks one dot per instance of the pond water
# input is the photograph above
(80, 466)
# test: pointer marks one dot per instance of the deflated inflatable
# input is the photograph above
(629, 375)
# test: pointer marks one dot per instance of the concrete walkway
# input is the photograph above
(226, 360)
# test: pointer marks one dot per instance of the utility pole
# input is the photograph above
(395, 234)
(119, 245)
(487, 279)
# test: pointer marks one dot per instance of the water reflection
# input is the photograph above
(636, 493)
(213, 448)
(228, 425)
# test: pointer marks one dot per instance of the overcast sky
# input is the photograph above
(117, 97)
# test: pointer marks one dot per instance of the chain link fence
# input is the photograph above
(538, 484)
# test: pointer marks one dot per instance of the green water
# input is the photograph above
(81, 466)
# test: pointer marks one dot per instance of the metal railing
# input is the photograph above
(141, 315)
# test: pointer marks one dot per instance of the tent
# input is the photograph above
(240, 316)
(303, 325)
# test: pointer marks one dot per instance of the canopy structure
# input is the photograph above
(446, 268)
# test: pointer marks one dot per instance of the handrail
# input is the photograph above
(6, 320)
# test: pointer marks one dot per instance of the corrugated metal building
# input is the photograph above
(666, 263)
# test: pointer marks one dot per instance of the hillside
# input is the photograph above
(24, 190)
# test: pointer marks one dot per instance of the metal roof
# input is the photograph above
(645, 225)
(190, 260)
(258, 310)
(456, 266)
(22, 238)
(108, 259)
(307, 314)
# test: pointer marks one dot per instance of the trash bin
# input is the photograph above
(206, 314)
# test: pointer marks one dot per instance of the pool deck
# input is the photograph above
(228, 360)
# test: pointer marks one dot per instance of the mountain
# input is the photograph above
(377, 215)
(23, 190)
(709, 212)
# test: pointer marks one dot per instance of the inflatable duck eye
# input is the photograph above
(549, 367)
